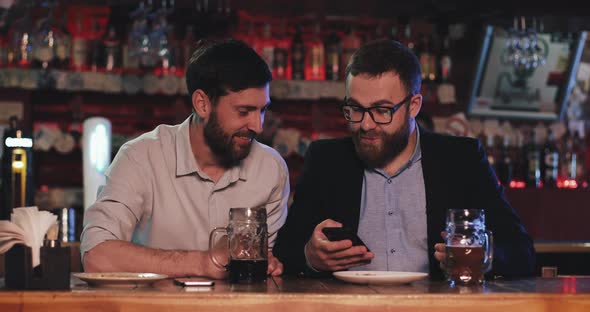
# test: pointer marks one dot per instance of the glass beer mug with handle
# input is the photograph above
(469, 247)
(247, 242)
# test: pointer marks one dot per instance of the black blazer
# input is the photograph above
(456, 174)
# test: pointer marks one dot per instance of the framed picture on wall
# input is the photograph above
(525, 76)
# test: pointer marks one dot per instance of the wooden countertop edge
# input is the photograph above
(180, 302)
(6, 296)
(563, 247)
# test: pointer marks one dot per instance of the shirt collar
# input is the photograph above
(185, 159)
(416, 156)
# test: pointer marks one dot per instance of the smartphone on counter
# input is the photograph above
(193, 281)
(341, 233)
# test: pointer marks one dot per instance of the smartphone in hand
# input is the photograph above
(341, 233)
(193, 281)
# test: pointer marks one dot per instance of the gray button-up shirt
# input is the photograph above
(157, 196)
(393, 217)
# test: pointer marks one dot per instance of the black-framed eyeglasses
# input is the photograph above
(380, 114)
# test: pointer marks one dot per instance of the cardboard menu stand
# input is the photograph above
(52, 273)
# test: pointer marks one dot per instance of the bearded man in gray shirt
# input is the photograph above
(167, 189)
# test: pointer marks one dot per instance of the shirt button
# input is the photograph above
(389, 181)
(390, 213)
(392, 250)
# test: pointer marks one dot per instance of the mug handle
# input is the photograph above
(489, 258)
(211, 239)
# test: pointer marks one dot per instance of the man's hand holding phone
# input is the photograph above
(335, 234)
(325, 255)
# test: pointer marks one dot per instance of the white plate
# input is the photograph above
(379, 277)
(120, 279)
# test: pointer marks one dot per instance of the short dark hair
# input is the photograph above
(220, 66)
(381, 56)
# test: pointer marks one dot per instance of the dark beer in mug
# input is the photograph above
(247, 270)
(464, 264)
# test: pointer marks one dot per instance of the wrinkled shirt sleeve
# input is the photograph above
(120, 204)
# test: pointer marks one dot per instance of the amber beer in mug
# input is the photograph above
(469, 247)
(247, 242)
(464, 264)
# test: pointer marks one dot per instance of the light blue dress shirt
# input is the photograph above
(393, 217)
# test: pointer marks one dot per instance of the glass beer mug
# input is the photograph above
(469, 247)
(247, 237)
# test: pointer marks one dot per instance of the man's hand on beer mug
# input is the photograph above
(325, 255)
(440, 250)
(221, 253)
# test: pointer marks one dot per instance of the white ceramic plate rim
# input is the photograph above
(380, 277)
(120, 276)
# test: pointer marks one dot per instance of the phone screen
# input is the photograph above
(194, 281)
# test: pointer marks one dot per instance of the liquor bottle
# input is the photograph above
(96, 46)
(532, 158)
(550, 165)
(112, 51)
(315, 68)
(333, 50)
(63, 45)
(281, 67)
(174, 54)
(568, 163)
(79, 46)
(220, 9)
(163, 51)
(10, 46)
(482, 137)
(43, 45)
(446, 90)
(394, 32)
(188, 45)
(427, 58)
(378, 34)
(350, 43)
(250, 37)
(129, 54)
(518, 163)
(3, 51)
(148, 57)
(445, 63)
(267, 46)
(582, 153)
(407, 38)
(228, 8)
(434, 48)
(422, 55)
(159, 36)
(491, 151)
(298, 55)
(504, 168)
(23, 48)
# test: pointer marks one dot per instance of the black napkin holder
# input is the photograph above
(52, 273)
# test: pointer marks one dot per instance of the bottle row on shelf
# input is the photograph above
(130, 83)
(313, 50)
(84, 38)
(552, 159)
(108, 82)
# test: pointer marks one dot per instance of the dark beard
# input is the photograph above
(228, 154)
(392, 145)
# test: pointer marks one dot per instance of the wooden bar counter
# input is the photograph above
(304, 294)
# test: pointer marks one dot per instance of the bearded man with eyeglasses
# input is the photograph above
(391, 182)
